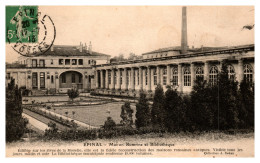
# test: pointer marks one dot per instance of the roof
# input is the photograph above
(69, 50)
(190, 50)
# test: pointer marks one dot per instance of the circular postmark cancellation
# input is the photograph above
(28, 31)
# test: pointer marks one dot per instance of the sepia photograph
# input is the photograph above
(129, 81)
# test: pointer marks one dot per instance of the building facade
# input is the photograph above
(59, 69)
(170, 67)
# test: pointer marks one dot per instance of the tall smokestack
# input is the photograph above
(184, 43)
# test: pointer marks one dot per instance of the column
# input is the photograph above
(168, 75)
(192, 74)
(132, 79)
(101, 79)
(180, 84)
(96, 76)
(113, 78)
(39, 77)
(124, 79)
(158, 75)
(118, 79)
(206, 71)
(106, 80)
(240, 73)
(149, 77)
(220, 65)
(140, 78)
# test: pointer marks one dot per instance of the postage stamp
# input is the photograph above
(29, 31)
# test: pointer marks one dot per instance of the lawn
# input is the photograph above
(94, 115)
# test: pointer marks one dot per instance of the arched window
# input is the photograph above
(231, 72)
(127, 77)
(199, 73)
(187, 77)
(213, 75)
(121, 76)
(175, 76)
(115, 77)
(164, 76)
(109, 77)
(248, 73)
(155, 76)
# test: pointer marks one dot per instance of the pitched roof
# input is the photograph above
(69, 50)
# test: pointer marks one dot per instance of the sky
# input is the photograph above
(118, 30)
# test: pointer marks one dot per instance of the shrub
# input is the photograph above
(73, 93)
(143, 113)
(126, 114)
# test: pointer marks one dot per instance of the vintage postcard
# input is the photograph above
(130, 81)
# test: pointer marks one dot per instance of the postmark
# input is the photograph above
(29, 31)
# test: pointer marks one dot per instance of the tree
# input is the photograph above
(126, 114)
(173, 109)
(109, 124)
(143, 113)
(246, 112)
(227, 98)
(73, 93)
(15, 123)
(203, 105)
(158, 111)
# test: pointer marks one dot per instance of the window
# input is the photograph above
(34, 63)
(80, 79)
(138, 77)
(51, 61)
(213, 75)
(73, 79)
(80, 61)
(121, 77)
(175, 76)
(231, 72)
(115, 77)
(67, 61)
(109, 77)
(42, 63)
(164, 76)
(146, 77)
(134, 77)
(61, 61)
(42, 80)
(63, 78)
(248, 73)
(74, 62)
(52, 79)
(34, 80)
(155, 77)
(127, 77)
(89, 62)
(199, 73)
(187, 77)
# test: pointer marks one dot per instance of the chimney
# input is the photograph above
(184, 43)
(86, 47)
(52, 47)
(80, 47)
(90, 48)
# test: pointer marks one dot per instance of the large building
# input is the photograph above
(175, 66)
(65, 67)
(57, 70)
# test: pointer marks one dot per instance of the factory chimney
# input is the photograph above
(184, 44)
